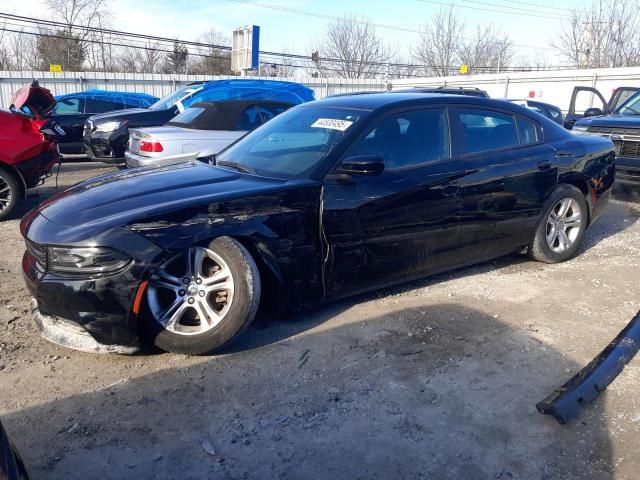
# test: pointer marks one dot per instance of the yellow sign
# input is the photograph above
(55, 68)
(464, 69)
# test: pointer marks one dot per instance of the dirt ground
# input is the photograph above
(434, 379)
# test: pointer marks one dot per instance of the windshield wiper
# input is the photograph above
(235, 165)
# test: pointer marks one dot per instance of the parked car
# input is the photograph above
(28, 148)
(72, 110)
(11, 464)
(583, 96)
(623, 127)
(200, 131)
(106, 136)
(468, 91)
(328, 199)
(546, 109)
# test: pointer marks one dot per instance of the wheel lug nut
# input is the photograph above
(181, 293)
(185, 281)
(199, 281)
(201, 292)
(191, 300)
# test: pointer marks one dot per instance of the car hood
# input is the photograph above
(120, 114)
(129, 196)
(612, 120)
(38, 99)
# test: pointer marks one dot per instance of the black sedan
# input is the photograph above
(328, 199)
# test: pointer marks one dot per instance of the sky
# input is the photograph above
(531, 26)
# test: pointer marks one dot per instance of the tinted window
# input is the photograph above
(69, 106)
(188, 116)
(487, 130)
(256, 115)
(554, 114)
(527, 130)
(406, 139)
(96, 105)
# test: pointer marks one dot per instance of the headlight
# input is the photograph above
(579, 130)
(85, 260)
(108, 126)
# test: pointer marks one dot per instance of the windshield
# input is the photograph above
(173, 98)
(293, 144)
(631, 106)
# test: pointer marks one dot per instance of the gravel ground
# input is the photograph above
(434, 379)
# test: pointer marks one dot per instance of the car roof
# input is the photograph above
(374, 101)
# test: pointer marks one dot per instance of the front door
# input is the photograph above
(582, 99)
(402, 223)
(69, 115)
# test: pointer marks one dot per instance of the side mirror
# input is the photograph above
(362, 165)
(593, 112)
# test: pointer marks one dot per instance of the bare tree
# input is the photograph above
(486, 51)
(76, 13)
(439, 44)
(351, 48)
(605, 33)
(213, 59)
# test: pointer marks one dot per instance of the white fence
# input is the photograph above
(548, 86)
(154, 84)
(553, 87)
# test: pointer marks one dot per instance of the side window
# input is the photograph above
(485, 130)
(97, 105)
(69, 106)
(587, 99)
(527, 131)
(408, 138)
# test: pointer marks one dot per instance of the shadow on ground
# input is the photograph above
(442, 391)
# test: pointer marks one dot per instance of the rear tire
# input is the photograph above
(561, 226)
(224, 290)
(9, 193)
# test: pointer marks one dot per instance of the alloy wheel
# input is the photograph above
(563, 225)
(190, 294)
(6, 195)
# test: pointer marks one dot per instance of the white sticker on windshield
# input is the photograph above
(332, 123)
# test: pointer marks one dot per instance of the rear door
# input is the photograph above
(510, 176)
(583, 98)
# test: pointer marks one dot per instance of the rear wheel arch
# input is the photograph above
(583, 186)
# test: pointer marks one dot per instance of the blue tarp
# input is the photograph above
(129, 99)
(241, 89)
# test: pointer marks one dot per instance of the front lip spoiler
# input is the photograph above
(566, 403)
(67, 334)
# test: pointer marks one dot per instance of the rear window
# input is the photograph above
(187, 117)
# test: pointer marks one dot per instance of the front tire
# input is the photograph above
(200, 301)
(9, 193)
(561, 227)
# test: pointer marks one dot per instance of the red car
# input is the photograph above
(28, 148)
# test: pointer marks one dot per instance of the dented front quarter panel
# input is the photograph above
(281, 227)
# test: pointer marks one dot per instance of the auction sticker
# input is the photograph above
(332, 123)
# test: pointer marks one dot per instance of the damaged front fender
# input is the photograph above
(566, 403)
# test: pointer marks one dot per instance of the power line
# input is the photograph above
(546, 17)
(389, 27)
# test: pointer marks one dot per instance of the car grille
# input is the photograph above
(628, 149)
(614, 131)
(37, 251)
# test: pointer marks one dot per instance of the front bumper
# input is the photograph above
(106, 147)
(628, 170)
(71, 335)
